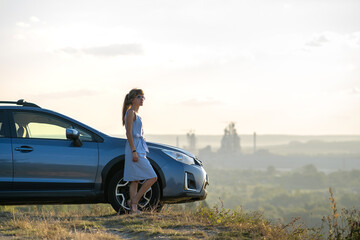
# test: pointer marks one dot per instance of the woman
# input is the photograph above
(137, 166)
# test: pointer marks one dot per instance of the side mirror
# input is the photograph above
(74, 135)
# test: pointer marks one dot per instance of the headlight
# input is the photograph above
(178, 156)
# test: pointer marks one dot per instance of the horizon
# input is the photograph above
(262, 141)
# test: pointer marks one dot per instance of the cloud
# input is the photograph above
(19, 36)
(350, 91)
(351, 40)
(333, 41)
(200, 103)
(355, 90)
(107, 51)
(69, 50)
(317, 41)
(22, 24)
(354, 39)
(24, 28)
(68, 94)
(27, 24)
(34, 19)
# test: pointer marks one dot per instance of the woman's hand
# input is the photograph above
(135, 157)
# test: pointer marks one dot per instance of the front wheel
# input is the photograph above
(118, 194)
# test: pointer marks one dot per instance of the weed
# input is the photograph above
(353, 223)
(343, 226)
(240, 224)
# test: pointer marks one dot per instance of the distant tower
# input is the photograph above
(191, 140)
(254, 142)
(230, 142)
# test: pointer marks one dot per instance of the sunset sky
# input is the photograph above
(274, 67)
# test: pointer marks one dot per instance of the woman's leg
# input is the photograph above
(146, 185)
(133, 191)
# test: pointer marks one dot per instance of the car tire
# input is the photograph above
(118, 194)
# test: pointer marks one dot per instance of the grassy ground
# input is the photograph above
(101, 222)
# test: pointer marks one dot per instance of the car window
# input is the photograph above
(42, 125)
(2, 124)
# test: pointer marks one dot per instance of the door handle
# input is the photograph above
(24, 149)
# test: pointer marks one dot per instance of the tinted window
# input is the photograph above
(2, 124)
(42, 125)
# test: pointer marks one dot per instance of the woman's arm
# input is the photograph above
(129, 124)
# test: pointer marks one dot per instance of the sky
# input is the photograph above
(272, 67)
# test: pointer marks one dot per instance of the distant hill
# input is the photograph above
(313, 147)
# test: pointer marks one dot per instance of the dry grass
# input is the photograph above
(101, 222)
(49, 224)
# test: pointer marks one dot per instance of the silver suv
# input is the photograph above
(46, 157)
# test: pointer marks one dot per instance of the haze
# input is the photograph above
(283, 67)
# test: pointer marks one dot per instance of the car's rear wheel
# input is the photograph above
(118, 194)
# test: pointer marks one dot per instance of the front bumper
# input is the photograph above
(186, 197)
(188, 185)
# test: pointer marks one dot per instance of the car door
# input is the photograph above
(6, 166)
(45, 160)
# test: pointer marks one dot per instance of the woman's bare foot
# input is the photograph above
(133, 207)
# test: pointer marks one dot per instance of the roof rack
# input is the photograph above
(21, 102)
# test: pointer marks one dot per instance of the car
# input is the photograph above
(49, 158)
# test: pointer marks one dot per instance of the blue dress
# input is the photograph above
(142, 169)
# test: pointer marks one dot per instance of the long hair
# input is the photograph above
(128, 100)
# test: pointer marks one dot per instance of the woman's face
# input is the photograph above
(138, 100)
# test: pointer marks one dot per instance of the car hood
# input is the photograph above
(168, 147)
(160, 146)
